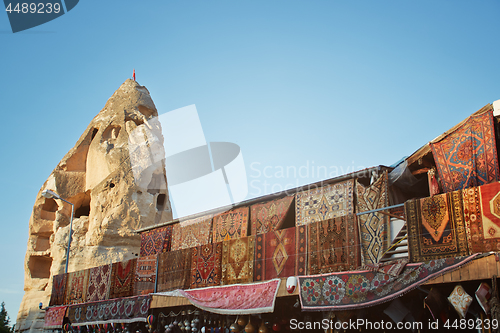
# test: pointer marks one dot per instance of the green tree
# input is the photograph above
(4, 320)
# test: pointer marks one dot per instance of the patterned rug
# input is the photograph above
(58, 289)
(76, 287)
(436, 227)
(156, 241)
(275, 254)
(301, 241)
(99, 283)
(145, 275)
(334, 245)
(468, 156)
(269, 216)
(358, 289)
(373, 227)
(237, 260)
(174, 270)
(124, 310)
(206, 265)
(482, 217)
(192, 233)
(54, 317)
(324, 203)
(123, 278)
(230, 225)
(235, 299)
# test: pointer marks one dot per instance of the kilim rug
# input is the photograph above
(174, 270)
(99, 283)
(436, 227)
(358, 289)
(54, 317)
(373, 227)
(76, 287)
(58, 289)
(334, 245)
(482, 217)
(123, 278)
(324, 203)
(123, 310)
(275, 254)
(269, 216)
(237, 299)
(145, 275)
(230, 225)
(301, 241)
(192, 233)
(468, 156)
(206, 265)
(237, 260)
(156, 241)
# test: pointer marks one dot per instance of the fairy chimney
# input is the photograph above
(97, 176)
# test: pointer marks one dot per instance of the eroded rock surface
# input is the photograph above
(97, 176)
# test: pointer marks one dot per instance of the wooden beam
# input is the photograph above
(420, 171)
(456, 275)
(168, 301)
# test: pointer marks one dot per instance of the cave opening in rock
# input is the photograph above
(39, 267)
(111, 133)
(82, 204)
(83, 210)
(42, 242)
(49, 209)
(160, 201)
(50, 205)
(94, 133)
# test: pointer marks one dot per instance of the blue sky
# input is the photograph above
(339, 84)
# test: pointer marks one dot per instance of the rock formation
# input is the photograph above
(97, 176)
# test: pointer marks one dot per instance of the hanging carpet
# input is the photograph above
(230, 225)
(76, 287)
(206, 265)
(237, 260)
(123, 278)
(192, 233)
(468, 156)
(236, 299)
(334, 245)
(482, 217)
(275, 254)
(54, 317)
(269, 216)
(436, 227)
(301, 241)
(121, 310)
(58, 289)
(324, 203)
(156, 241)
(145, 275)
(373, 227)
(174, 270)
(358, 289)
(99, 283)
